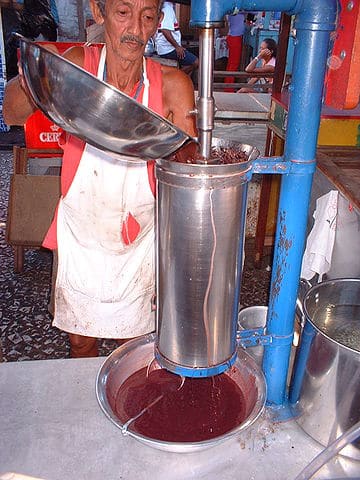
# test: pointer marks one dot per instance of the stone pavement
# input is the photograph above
(15, 136)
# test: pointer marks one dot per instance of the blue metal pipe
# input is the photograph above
(210, 13)
(302, 357)
(317, 14)
(314, 22)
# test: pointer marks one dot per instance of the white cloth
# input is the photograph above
(221, 48)
(105, 283)
(345, 261)
(271, 62)
(169, 22)
(320, 242)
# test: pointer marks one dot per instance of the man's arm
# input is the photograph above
(179, 99)
(17, 104)
(264, 68)
(180, 51)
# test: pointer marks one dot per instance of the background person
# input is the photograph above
(267, 59)
(103, 230)
(168, 41)
(234, 39)
(35, 21)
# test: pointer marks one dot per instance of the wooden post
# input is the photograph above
(81, 20)
(280, 68)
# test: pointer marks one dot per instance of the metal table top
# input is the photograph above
(245, 107)
(53, 429)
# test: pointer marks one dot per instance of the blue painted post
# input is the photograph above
(309, 65)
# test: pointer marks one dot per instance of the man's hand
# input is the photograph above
(180, 51)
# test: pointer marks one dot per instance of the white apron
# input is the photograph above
(105, 281)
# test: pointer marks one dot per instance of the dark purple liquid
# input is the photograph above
(199, 409)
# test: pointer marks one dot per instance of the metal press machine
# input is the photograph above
(314, 22)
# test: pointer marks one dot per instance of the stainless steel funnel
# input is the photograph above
(201, 211)
(94, 111)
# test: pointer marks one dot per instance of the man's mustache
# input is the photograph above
(131, 38)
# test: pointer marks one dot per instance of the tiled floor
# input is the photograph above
(25, 324)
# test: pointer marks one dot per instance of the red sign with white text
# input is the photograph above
(40, 132)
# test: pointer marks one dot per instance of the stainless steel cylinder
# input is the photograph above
(201, 211)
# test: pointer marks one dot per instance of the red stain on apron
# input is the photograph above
(130, 229)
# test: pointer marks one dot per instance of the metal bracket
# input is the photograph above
(271, 165)
(257, 336)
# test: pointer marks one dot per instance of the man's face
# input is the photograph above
(129, 24)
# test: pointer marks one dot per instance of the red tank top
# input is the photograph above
(73, 147)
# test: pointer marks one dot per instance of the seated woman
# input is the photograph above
(267, 57)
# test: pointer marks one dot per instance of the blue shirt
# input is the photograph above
(236, 25)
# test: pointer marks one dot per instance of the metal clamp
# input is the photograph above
(256, 336)
(195, 372)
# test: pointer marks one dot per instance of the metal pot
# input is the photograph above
(325, 389)
(252, 318)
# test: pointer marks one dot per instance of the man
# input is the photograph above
(168, 41)
(103, 230)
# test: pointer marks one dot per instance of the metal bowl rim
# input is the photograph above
(318, 287)
(93, 77)
(46, 103)
(212, 169)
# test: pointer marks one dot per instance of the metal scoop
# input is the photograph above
(94, 111)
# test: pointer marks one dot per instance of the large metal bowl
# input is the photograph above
(94, 111)
(138, 353)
